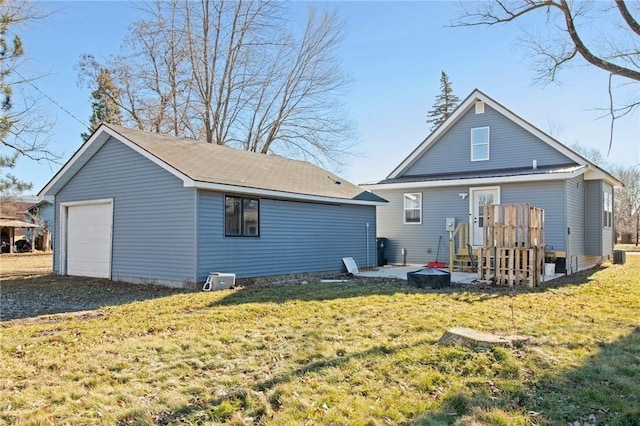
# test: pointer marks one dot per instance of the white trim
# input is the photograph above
(477, 181)
(462, 109)
(95, 142)
(269, 193)
(472, 145)
(104, 133)
(404, 209)
(62, 232)
(471, 208)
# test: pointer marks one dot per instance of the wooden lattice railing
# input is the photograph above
(513, 253)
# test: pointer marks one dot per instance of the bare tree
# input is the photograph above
(231, 73)
(627, 203)
(23, 124)
(612, 45)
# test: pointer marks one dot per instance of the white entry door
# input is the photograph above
(480, 197)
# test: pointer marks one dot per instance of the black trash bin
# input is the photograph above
(381, 244)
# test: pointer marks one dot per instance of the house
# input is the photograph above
(8, 238)
(40, 214)
(485, 154)
(14, 229)
(148, 208)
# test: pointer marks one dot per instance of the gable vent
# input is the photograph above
(479, 107)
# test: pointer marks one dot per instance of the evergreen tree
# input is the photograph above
(24, 127)
(10, 51)
(103, 104)
(445, 103)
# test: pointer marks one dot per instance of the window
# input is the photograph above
(241, 217)
(413, 208)
(607, 217)
(480, 144)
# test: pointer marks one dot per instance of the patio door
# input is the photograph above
(479, 197)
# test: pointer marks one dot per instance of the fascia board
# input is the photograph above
(477, 181)
(433, 137)
(599, 174)
(90, 147)
(267, 193)
(83, 153)
(477, 95)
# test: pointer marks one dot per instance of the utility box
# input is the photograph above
(450, 224)
(219, 281)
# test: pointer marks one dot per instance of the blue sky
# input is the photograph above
(394, 52)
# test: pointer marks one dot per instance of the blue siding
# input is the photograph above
(421, 240)
(576, 245)
(294, 238)
(608, 233)
(549, 196)
(510, 146)
(153, 232)
(593, 218)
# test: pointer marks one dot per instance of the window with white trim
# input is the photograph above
(607, 210)
(413, 208)
(480, 144)
(241, 216)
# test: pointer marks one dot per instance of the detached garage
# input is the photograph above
(149, 208)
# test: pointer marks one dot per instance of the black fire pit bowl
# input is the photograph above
(429, 277)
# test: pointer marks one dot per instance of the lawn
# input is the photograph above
(357, 353)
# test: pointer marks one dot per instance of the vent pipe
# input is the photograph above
(535, 164)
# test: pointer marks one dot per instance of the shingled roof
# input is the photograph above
(217, 167)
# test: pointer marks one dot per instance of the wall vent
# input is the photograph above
(479, 107)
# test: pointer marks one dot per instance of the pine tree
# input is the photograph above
(10, 52)
(104, 106)
(446, 102)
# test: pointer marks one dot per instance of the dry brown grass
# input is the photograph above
(362, 352)
(25, 264)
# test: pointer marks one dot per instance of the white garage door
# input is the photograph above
(89, 240)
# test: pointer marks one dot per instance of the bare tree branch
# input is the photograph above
(231, 73)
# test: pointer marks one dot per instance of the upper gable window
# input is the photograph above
(413, 208)
(480, 144)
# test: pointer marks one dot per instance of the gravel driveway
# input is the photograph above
(28, 289)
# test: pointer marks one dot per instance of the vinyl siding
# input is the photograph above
(576, 244)
(510, 146)
(153, 232)
(593, 218)
(548, 196)
(608, 233)
(421, 240)
(295, 237)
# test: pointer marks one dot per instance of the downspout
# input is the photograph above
(367, 227)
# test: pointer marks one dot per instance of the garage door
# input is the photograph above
(89, 240)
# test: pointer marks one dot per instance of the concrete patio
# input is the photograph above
(400, 272)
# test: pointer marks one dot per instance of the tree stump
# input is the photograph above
(471, 338)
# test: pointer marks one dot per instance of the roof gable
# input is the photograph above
(216, 167)
(535, 144)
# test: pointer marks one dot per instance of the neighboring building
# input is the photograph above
(484, 153)
(40, 214)
(148, 208)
